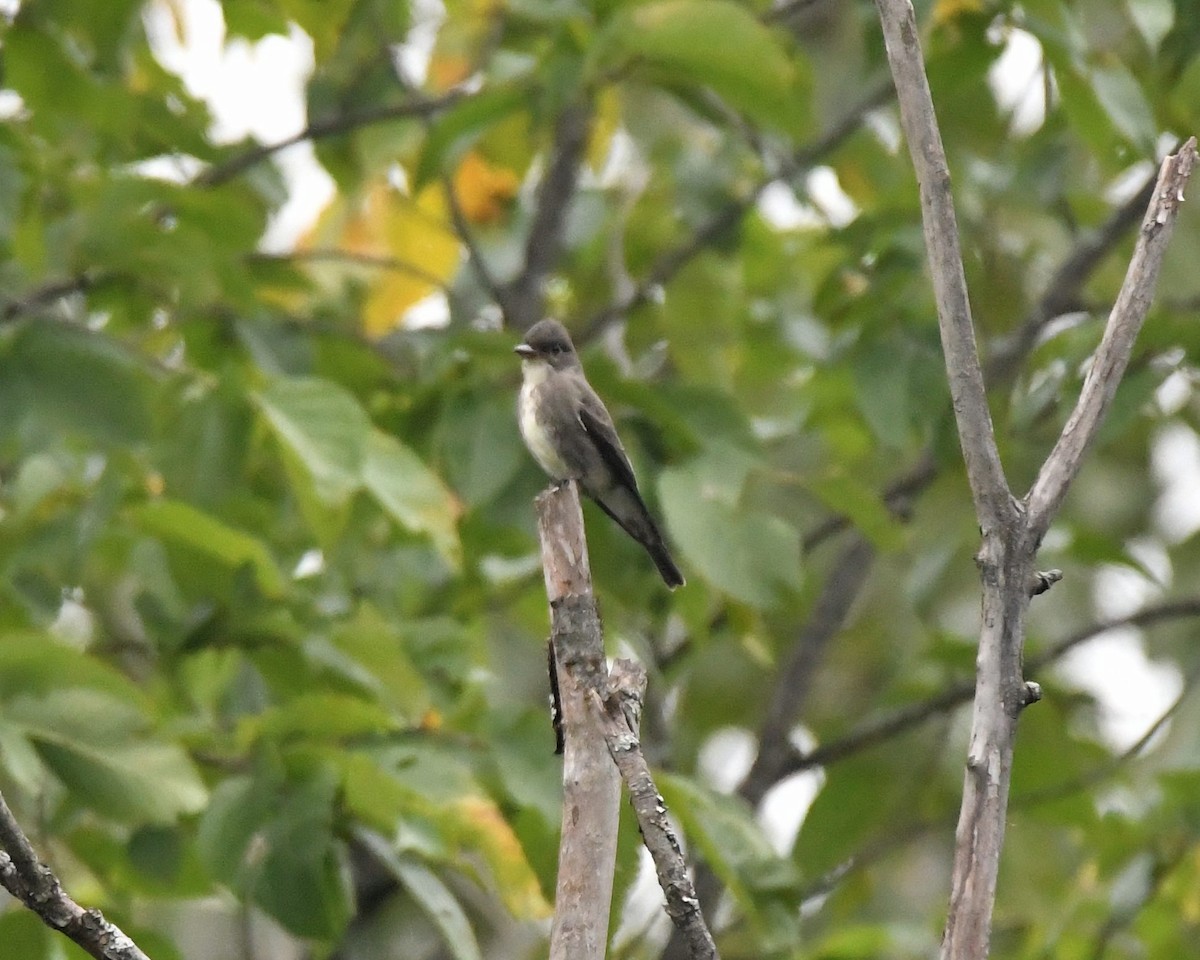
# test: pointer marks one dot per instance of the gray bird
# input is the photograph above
(571, 435)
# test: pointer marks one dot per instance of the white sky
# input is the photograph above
(252, 90)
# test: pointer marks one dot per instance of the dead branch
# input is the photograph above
(591, 784)
(35, 885)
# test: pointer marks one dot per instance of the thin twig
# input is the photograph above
(1061, 292)
(618, 715)
(35, 885)
(483, 272)
(895, 838)
(352, 258)
(329, 127)
(671, 261)
(790, 694)
(1111, 357)
(903, 719)
(523, 299)
(1101, 773)
(44, 295)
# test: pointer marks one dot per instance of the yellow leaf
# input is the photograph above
(446, 70)
(484, 191)
(946, 10)
(488, 831)
(605, 123)
(464, 35)
(402, 247)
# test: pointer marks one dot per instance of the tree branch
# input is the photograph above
(790, 693)
(483, 272)
(36, 886)
(45, 294)
(1111, 357)
(1062, 290)
(671, 261)
(221, 173)
(524, 297)
(591, 784)
(895, 838)
(352, 258)
(903, 719)
(618, 715)
(1105, 770)
(993, 501)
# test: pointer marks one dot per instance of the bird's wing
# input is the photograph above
(599, 426)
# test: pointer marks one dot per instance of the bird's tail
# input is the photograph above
(671, 575)
(627, 509)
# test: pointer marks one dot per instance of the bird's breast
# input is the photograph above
(538, 438)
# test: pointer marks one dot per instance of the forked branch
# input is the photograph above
(1109, 362)
(1011, 531)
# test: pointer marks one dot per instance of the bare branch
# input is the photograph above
(1111, 357)
(776, 753)
(1102, 772)
(352, 258)
(1062, 290)
(829, 613)
(36, 886)
(618, 715)
(993, 502)
(671, 261)
(523, 299)
(483, 272)
(591, 784)
(221, 173)
(44, 295)
(903, 719)
(895, 838)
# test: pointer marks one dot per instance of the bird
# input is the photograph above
(570, 434)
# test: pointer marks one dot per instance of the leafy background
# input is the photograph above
(271, 614)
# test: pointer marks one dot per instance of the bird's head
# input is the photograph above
(547, 342)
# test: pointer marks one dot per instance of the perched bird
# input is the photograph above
(571, 435)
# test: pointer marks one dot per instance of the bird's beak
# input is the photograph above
(524, 351)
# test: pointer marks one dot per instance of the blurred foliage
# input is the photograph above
(271, 612)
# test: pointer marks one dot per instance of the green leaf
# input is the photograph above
(749, 554)
(861, 503)
(185, 525)
(134, 782)
(723, 829)
(55, 377)
(1153, 19)
(325, 428)
(323, 715)
(882, 380)
(716, 43)
(320, 19)
(1122, 98)
(461, 126)
(412, 494)
(430, 893)
(272, 840)
(479, 448)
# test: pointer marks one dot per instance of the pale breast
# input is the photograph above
(537, 439)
